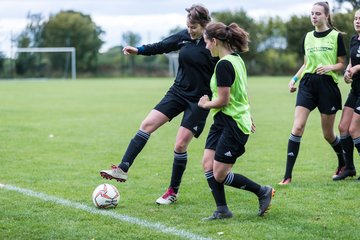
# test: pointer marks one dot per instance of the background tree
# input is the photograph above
(246, 22)
(344, 23)
(73, 29)
(354, 3)
(2, 62)
(295, 29)
(29, 63)
(272, 53)
(275, 47)
(131, 39)
(111, 62)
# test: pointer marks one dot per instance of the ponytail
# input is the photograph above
(234, 36)
(326, 7)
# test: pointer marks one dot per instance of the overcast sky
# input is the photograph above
(152, 19)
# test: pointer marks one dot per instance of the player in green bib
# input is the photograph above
(324, 57)
(232, 120)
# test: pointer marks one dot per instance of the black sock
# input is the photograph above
(347, 145)
(239, 181)
(336, 145)
(292, 152)
(222, 209)
(217, 189)
(135, 146)
(179, 166)
(357, 144)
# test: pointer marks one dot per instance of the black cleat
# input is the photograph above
(265, 200)
(219, 215)
(339, 170)
(346, 173)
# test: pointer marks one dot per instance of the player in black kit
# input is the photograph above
(349, 125)
(192, 82)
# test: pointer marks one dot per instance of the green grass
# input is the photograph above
(92, 122)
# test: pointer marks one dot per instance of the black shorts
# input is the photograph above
(226, 139)
(194, 117)
(353, 100)
(319, 91)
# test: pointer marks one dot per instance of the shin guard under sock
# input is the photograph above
(292, 152)
(179, 166)
(134, 148)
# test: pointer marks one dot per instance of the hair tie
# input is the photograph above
(227, 28)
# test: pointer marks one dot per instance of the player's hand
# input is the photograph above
(292, 87)
(253, 126)
(203, 100)
(130, 50)
(321, 70)
(347, 76)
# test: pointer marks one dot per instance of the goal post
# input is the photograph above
(173, 63)
(54, 49)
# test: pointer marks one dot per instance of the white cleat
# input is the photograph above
(114, 173)
(169, 197)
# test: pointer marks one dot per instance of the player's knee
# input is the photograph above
(219, 176)
(147, 126)
(343, 128)
(298, 130)
(354, 131)
(181, 145)
(207, 164)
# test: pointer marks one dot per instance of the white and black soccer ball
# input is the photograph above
(106, 196)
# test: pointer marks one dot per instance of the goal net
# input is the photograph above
(46, 62)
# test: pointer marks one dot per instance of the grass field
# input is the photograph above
(55, 136)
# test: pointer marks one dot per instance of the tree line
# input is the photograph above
(275, 47)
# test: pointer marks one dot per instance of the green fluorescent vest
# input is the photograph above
(238, 107)
(321, 51)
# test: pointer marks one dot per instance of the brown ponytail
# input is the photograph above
(326, 7)
(234, 36)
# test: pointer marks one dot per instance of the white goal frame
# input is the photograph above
(72, 50)
(173, 63)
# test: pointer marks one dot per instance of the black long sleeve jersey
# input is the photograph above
(196, 65)
(355, 54)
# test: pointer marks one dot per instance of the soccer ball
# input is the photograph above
(106, 196)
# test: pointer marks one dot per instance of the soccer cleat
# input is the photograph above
(169, 197)
(285, 181)
(346, 173)
(219, 215)
(265, 200)
(339, 171)
(114, 173)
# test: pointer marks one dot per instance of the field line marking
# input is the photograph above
(140, 222)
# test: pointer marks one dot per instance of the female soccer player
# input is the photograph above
(192, 81)
(349, 126)
(232, 121)
(324, 56)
